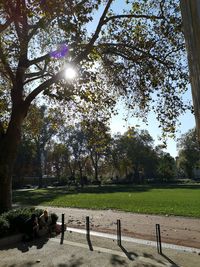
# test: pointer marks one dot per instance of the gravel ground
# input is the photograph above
(175, 230)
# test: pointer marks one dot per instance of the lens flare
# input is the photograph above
(60, 52)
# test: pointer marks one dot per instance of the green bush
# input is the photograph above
(13, 220)
(54, 218)
(4, 227)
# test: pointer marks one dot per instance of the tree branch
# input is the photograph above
(181, 47)
(82, 2)
(39, 73)
(95, 35)
(6, 64)
(133, 16)
(44, 86)
(3, 27)
(143, 52)
(35, 27)
(38, 60)
(36, 78)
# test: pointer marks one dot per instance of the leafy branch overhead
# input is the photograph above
(137, 54)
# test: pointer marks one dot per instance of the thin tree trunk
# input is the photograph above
(136, 175)
(39, 166)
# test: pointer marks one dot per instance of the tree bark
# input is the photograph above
(5, 184)
(190, 10)
(9, 143)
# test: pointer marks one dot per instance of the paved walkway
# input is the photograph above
(76, 250)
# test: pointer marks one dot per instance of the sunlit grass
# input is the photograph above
(171, 200)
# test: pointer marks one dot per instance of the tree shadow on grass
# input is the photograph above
(176, 186)
(38, 197)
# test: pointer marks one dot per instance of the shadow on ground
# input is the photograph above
(24, 246)
(72, 263)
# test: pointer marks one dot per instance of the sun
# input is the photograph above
(70, 73)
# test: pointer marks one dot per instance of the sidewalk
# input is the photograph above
(77, 250)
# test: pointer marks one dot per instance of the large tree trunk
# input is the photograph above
(190, 10)
(9, 143)
(5, 185)
(8, 155)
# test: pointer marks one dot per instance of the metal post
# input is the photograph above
(88, 225)
(119, 233)
(88, 233)
(158, 238)
(63, 224)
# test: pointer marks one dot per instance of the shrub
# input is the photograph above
(54, 218)
(13, 220)
(4, 227)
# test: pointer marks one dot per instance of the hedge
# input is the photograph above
(13, 221)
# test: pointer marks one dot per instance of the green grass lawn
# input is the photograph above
(181, 200)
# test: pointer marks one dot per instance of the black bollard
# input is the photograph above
(119, 242)
(88, 225)
(88, 233)
(63, 224)
(158, 238)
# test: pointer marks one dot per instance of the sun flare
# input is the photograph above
(70, 73)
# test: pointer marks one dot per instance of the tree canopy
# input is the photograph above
(136, 54)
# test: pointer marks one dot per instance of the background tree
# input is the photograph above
(166, 168)
(118, 159)
(131, 54)
(58, 160)
(137, 145)
(133, 157)
(78, 146)
(40, 126)
(25, 164)
(188, 152)
(97, 141)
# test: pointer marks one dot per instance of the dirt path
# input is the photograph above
(176, 230)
